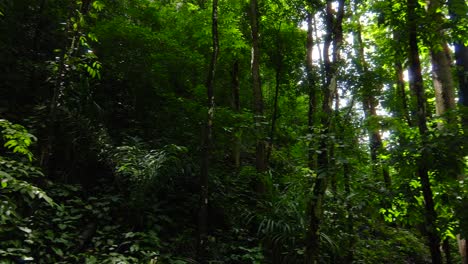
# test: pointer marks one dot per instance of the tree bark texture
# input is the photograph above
(312, 86)
(441, 63)
(416, 84)
(401, 93)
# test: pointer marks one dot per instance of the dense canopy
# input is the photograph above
(233, 131)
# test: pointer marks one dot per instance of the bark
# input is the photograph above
(416, 84)
(274, 116)
(236, 145)
(312, 83)
(260, 155)
(442, 79)
(441, 64)
(401, 93)
(463, 249)
(334, 35)
(278, 61)
(447, 251)
(207, 141)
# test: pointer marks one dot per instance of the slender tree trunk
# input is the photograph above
(260, 156)
(236, 145)
(349, 221)
(274, 116)
(447, 251)
(324, 172)
(312, 83)
(207, 139)
(416, 84)
(401, 93)
(278, 66)
(319, 49)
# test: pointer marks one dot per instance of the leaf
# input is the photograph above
(58, 251)
(25, 229)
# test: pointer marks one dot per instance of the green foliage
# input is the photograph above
(16, 138)
(18, 192)
(144, 171)
(389, 245)
(116, 93)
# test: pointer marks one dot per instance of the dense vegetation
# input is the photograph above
(233, 131)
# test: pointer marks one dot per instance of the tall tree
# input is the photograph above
(441, 62)
(236, 106)
(312, 87)
(334, 35)
(260, 155)
(416, 85)
(402, 109)
(208, 135)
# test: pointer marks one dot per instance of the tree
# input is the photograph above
(208, 135)
(334, 35)
(417, 88)
(441, 63)
(260, 149)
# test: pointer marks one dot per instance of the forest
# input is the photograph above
(233, 131)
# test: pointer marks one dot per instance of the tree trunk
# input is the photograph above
(442, 79)
(278, 66)
(207, 140)
(403, 110)
(312, 85)
(463, 249)
(275, 113)
(441, 64)
(324, 172)
(260, 154)
(447, 251)
(236, 144)
(416, 84)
